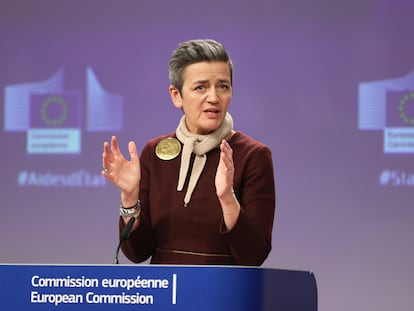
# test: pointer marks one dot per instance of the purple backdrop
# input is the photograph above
(326, 84)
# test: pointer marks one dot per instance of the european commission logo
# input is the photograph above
(53, 117)
(388, 105)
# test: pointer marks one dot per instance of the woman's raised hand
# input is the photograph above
(123, 173)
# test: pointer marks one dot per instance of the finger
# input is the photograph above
(226, 147)
(227, 154)
(115, 147)
(106, 156)
(228, 166)
(106, 150)
(132, 148)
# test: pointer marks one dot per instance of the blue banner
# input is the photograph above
(132, 287)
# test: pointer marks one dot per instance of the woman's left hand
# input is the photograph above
(225, 171)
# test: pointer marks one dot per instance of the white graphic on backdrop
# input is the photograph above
(52, 117)
(388, 105)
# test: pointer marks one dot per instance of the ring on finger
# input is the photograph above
(108, 170)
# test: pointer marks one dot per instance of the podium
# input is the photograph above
(155, 287)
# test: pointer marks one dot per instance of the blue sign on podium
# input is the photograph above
(154, 287)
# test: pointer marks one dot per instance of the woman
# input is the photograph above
(205, 193)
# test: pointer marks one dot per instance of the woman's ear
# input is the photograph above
(176, 97)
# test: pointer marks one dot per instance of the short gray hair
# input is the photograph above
(195, 51)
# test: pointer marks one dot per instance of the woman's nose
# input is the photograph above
(212, 95)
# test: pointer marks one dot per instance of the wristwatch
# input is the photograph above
(130, 211)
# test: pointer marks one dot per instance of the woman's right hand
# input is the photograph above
(124, 174)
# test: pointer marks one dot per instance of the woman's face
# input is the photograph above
(205, 96)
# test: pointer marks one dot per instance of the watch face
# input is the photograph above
(127, 211)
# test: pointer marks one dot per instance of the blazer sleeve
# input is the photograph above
(250, 239)
(140, 244)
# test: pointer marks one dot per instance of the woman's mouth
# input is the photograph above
(211, 112)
